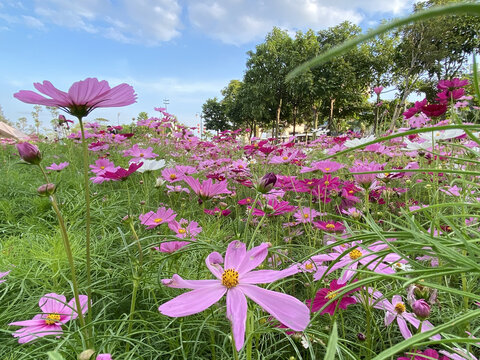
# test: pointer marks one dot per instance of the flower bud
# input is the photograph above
(46, 189)
(361, 336)
(29, 153)
(421, 309)
(266, 183)
(86, 355)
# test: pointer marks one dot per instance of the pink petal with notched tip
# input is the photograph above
(178, 282)
(237, 314)
(285, 308)
(193, 301)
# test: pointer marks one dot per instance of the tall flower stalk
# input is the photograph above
(82, 97)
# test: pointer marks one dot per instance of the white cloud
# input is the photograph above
(243, 21)
(141, 21)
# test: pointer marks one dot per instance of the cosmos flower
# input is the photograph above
(237, 280)
(82, 97)
(121, 173)
(161, 216)
(207, 189)
(58, 167)
(2, 275)
(324, 295)
(55, 313)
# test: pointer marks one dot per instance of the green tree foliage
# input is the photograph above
(213, 112)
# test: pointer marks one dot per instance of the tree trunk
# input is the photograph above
(330, 119)
(294, 119)
(279, 109)
(315, 122)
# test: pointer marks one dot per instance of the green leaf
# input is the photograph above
(54, 355)
(332, 343)
(455, 9)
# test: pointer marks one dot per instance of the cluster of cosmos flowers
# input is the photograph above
(324, 192)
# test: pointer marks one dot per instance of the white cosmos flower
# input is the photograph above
(442, 135)
(413, 146)
(151, 165)
(357, 142)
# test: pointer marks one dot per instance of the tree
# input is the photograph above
(37, 109)
(342, 84)
(213, 113)
(142, 116)
(3, 118)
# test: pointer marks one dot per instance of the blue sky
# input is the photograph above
(185, 51)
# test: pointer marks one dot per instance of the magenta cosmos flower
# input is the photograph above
(121, 173)
(82, 97)
(237, 280)
(153, 219)
(324, 295)
(56, 312)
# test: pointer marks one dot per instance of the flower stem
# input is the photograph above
(87, 224)
(68, 251)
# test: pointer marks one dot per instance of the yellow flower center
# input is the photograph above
(309, 266)
(327, 169)
(240, 166)
(331, 294)
(173, 176)
(305, 216)
(182, 231)
(157, 220)
(142, 154)
(330, 226)
(52, 319)
(285, 158)
(355, 254)
(230, 278)
(102, 167)
(400, 308)
(327, 182)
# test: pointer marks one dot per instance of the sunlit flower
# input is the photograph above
(82, 97)
(237, 280)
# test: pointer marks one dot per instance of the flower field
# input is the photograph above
(148, 242)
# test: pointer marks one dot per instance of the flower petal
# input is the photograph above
(285, 308)
(235, 254)
(402, 324)
(267, 276)
(179, 283)
(193, 301)
(253, 258)
(71, 309)
(30, 333)
(52, 303)
(237, 314)
(213, 262)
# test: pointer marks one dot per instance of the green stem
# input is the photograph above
(87, 225)
(68, 251)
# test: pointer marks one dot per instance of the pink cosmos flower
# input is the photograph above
(330, 226)
(365, 180)
(273, 208)
(350, 261)
(397, 310)
(207, 189)
(153, 219)
(139, 154)
(237, 280)
(324, 295)
(185, 229)
(104, 357)
(427, 354)
(306, 215)
(378, 89)
(82, 97)
(172, 175)
(56, 312)
(3, 274)
(58, 167)
(171, 246)
(324, 166)
(217, 211)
